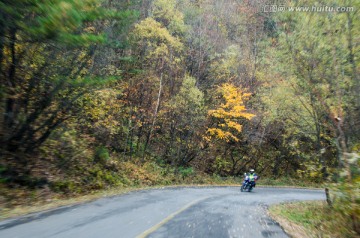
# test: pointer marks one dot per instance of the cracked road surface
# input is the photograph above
(211, 212)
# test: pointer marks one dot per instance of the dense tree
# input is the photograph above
(184, 126)
(41, 43)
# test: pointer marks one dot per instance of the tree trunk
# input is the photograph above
(148, 139)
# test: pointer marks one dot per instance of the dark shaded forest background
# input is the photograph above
(96, 94)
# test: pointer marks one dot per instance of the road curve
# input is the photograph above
(171, 212)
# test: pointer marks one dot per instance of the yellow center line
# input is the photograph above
(167, 219)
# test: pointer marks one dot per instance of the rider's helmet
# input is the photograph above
(252, 171)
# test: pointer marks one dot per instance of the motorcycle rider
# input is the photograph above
(252, 177)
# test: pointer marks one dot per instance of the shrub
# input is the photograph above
(101, 155)
(185, 172)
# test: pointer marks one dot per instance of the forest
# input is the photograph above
(105, 93)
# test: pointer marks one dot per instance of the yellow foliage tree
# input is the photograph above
(157, 40)
(229, 113)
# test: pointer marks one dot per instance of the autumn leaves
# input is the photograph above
(229, 112)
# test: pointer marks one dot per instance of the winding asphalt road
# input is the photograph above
(171, 212)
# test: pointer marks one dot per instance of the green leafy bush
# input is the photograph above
(185, 172)
(101, 155)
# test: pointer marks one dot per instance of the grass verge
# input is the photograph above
(312, 219)
(288, 182)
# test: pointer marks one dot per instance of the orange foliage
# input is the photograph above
(230, 112)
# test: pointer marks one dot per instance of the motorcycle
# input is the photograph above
(247, 184)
